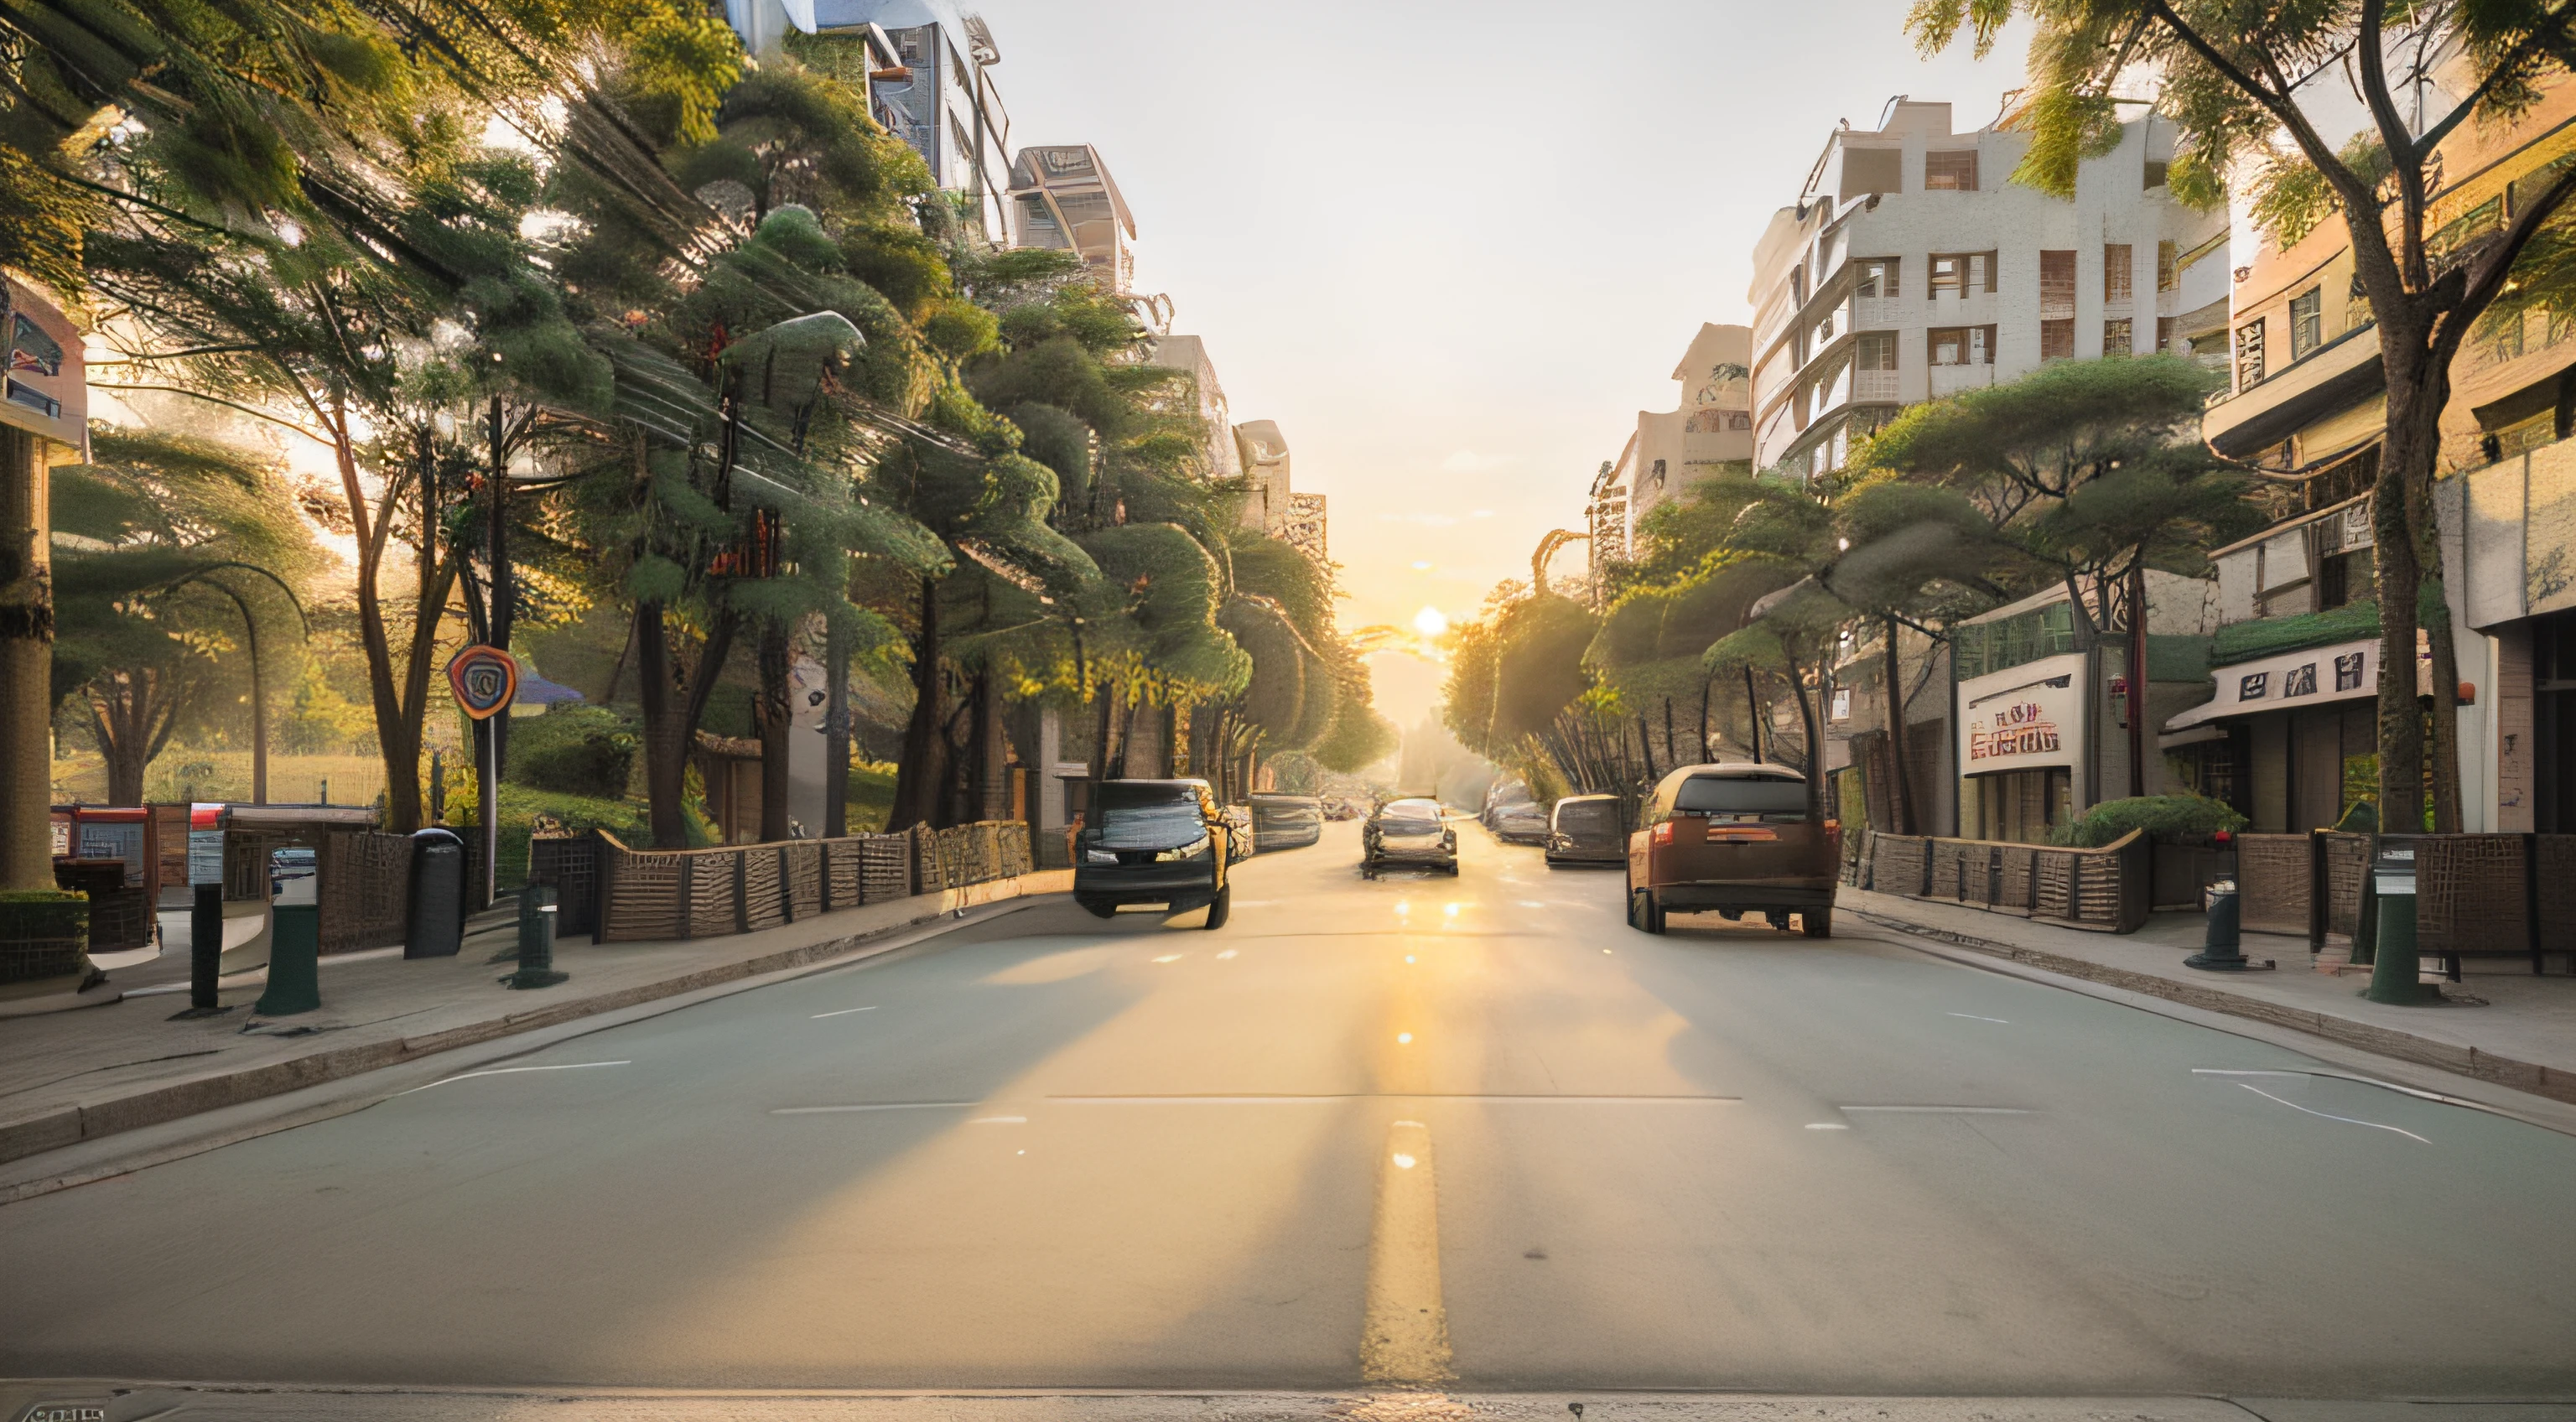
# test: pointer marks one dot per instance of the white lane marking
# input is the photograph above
(873, 1106)
(844, 1012)
(1975, 1018)
(507, 1071)
(1228, 953)
(1941, 1110)
(2347, 1120)
(1283, 1099)
(1827, 1126)
(1169, 958)
(999, 1121)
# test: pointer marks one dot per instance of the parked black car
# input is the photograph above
(1585, 830)
(1154, 842)
(1285, 822)
(1408, 832)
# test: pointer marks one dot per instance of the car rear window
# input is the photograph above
(1588, 815)
(1410, 817)
(1775, 798)
(1149, 816)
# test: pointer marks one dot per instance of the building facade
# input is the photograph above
(1063, 198)
(937, 94)
(1189, 354)
(1910, 268)
(2288, 735)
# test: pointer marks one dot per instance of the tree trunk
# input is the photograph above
(991, 759)
(770, 712)
(666, 740)
(922, 773)
(836, 730)
(26, 662)
(2415, 399)
(1815, 740)
(1903, 799)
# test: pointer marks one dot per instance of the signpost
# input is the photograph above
(486, 680)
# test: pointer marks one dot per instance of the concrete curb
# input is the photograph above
(158, 1104)
(2554, 1083)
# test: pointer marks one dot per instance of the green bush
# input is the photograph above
(2158, 815)
(573, 750)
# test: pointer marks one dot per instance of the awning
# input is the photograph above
(2176, 740)
(2343, 672)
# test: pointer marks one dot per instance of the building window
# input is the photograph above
(2249, 354)
(2056, 286)
(2115, 272)
(2057, 339)
(2165, 335)
(2115, 337)
(1659, 473)
(1738, 420)
(1877, 277)
(2307, 322)
(2168, 270)
(1961, 345)
(2155, 174)
(1959, 273)
(1875, 351)
(1954, 171)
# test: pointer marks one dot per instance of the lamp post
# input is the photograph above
(258, 688)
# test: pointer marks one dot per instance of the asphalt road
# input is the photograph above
(1471, 1131)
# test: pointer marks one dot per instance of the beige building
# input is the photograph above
(1263, 453)
(1710, 429)
(1189, 353)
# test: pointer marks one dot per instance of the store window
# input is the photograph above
(2023, 806)
(1954, 171)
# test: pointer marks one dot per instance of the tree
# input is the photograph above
(172, 545)
(2234, 82)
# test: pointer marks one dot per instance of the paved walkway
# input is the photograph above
(81, 1075)
(2501, 1024)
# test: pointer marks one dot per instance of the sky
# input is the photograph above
(1454, 248)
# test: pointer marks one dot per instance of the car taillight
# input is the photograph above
(1664, 832)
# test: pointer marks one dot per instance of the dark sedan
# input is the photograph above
(1586, 830)
(1154, 842)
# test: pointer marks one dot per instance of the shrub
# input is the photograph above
(2158, 815)
(573, 750)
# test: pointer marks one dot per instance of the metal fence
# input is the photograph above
(2105, 889)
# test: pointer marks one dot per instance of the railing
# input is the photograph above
(1951, 379)
(2105, 889)
(651, 894)
(1874, 385)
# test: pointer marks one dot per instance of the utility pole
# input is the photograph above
(496, 729)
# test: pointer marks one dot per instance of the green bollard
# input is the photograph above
(294, 961)
(536, 940)
(2396, 970)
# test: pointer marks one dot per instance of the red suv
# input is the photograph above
(1735, 839)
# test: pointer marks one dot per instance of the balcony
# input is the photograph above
(2339, 373)
(1881, 313)
(1951, 379)
(1875, 387)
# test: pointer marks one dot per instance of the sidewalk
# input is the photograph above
(78, 1076)
(2504, 1025)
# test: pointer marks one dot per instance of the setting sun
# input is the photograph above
(1430, 622)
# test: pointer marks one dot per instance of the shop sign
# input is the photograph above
(2288, 681)
(44, 387)
(2023, 717)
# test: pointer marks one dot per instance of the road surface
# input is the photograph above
(1469, 1133)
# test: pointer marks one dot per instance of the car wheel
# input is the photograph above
(1819, 923)
(1219, 907)
(1654, 914)
(1098, 908)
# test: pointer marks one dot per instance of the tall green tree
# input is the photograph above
(2255, 95)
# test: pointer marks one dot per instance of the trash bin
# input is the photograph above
(2396, 970)
(294, 961)
(437, 925)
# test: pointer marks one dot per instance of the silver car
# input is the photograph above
(1408, 833)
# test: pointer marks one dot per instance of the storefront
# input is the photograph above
(2022, 739)
(2289, 740)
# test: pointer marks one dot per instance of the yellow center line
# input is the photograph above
(1405, 1328)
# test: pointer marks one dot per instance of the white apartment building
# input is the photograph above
(937, 94)
(1911, 267)
(1063, 198)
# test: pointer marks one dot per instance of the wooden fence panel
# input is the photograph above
(2347, 861)
(2020, 876)
(365, 890)
(2557, 875)
(2471, 895)
(2273, 889)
